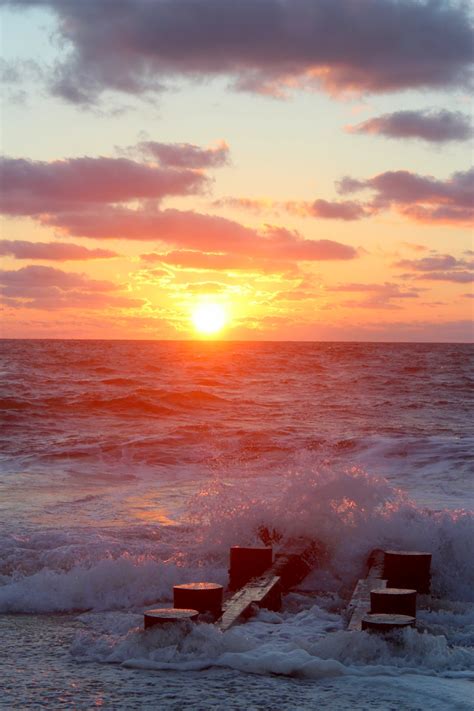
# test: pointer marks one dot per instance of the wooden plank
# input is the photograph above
(359, 604)
(259, 591)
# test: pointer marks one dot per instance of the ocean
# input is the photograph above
(130, 466)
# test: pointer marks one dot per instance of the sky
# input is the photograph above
(305, 166)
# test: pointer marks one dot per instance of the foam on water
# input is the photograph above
(308, 644)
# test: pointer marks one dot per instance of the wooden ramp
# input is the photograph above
(264, 591)
(359, 605)
(291, 565)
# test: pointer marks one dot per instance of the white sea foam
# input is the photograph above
(347, 510)
(291, 645)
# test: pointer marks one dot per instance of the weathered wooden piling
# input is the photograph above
(386, 623)
(168, 615)
(203, 597)
(408, 569)
(247, 563)
(393, 601)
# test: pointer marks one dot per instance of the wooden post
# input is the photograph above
(203, 597)
(164, 615)
(387, 623)
(247, 563)
(408, 569)
(393, 601)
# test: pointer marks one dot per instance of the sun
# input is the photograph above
(209, 317)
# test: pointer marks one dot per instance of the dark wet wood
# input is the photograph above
(408, 569)
(247, 563)
(292, 564)
(263, 591)
(387, 623)
(166, 615)
(204, 597)
(359, 605)
(393, 601)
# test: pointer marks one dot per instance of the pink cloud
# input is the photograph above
(337, 210)
(51, 251)
(40, 276)
(267, 46)
(50, 288)
(432, 126)
(377, 296)
(324, 209)
(432, 263)
(37, 187)
(457, 277)
(192, 230)
(86, 197)
(420, 197)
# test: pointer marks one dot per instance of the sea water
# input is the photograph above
(128, 467)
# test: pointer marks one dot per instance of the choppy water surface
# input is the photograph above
(130, 466)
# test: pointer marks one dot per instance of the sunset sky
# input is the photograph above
(304, 164)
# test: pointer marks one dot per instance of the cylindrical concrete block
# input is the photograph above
(164, 615)
(247, 563)
(387, 623)
(204, 597)
(408, 569)
(393, 601)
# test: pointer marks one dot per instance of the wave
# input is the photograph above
(141, 402)
(347, 510)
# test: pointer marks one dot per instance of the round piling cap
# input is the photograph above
(392, 591)
(163, 615)
(251, 552)
(411, 554)
(202, 596)
(385, 623)
(198, 586)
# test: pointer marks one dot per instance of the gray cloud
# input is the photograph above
(137, 46)
(420, 197)
(432, 126)
(457, 277)
(186, 155)
(439, 267)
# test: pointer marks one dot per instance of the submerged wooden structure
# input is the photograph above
(290, 567)
(257, 580)
(386, 599)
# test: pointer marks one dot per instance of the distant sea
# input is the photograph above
(127, 467)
